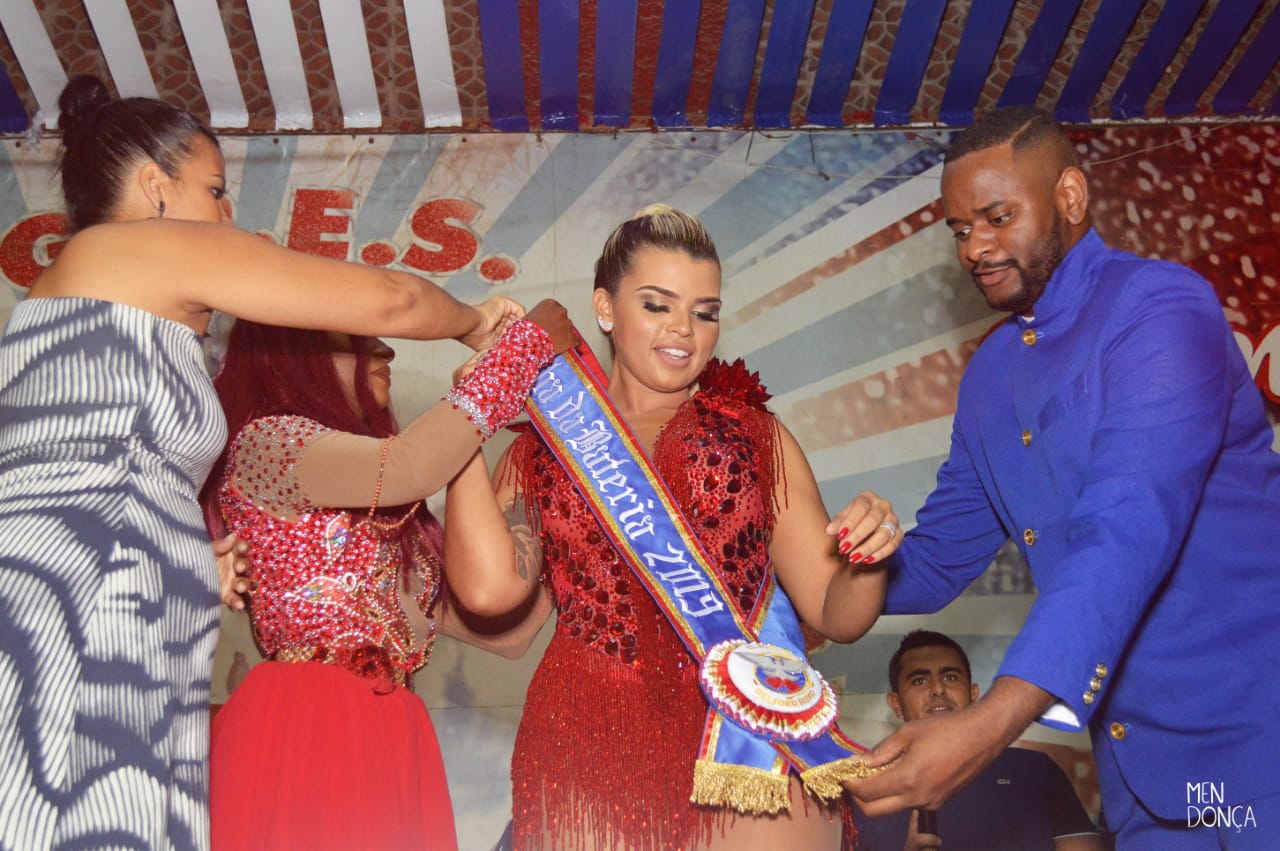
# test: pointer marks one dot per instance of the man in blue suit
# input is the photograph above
(1111, 427)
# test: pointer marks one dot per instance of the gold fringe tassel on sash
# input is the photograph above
(748, 790)
(824, 781)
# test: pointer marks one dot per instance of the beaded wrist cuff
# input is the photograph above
(494, 393)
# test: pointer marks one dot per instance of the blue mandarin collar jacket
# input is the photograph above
(1120, 440)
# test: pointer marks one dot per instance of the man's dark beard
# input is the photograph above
(1035, 278)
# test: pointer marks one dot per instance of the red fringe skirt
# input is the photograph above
(605, 754)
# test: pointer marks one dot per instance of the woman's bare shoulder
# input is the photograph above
(117, 261)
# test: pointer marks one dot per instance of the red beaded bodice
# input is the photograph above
(716, 455)
(326, 584)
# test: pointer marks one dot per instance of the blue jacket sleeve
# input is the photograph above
(956, 536)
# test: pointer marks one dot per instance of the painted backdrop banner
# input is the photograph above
(841, 288)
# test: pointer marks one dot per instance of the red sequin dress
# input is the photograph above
(605, 753)
(323, 746)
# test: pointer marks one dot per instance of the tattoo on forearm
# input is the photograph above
(528, 548)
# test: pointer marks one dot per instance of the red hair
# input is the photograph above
(271, 371)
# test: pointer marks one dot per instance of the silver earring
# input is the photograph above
(160, 210)
(605, 324)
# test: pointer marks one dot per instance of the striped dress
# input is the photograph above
(108, 587)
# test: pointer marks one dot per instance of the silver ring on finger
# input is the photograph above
(892, 527)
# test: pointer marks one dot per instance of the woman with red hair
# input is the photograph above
(324, 744)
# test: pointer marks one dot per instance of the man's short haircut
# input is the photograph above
(1022, 127)
(923, 638)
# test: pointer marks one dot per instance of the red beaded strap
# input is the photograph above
(493, 394)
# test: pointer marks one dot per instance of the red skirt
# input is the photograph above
(309, 756)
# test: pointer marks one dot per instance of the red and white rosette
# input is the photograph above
(768, 689)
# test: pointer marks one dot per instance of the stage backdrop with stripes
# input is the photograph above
(841, 288)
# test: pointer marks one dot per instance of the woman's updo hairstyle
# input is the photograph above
(103, 139)
(656, 226)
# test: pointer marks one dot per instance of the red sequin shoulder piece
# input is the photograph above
(733, 381)
(325, 578)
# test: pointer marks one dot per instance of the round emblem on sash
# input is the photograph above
(768, 689)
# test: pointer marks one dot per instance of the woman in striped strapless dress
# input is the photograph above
(108, 426)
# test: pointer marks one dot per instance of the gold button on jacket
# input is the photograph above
(1026, 438)
(1029, 337)
(1087, 697)
(1118, 730)
(1029, 536)
(1101, 670)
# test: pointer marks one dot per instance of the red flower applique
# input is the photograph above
(733, 381)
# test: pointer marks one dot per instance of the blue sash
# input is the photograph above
(770, 711)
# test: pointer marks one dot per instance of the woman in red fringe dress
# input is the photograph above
(604, 757)
(324, 745)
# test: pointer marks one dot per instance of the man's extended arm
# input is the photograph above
(935, 756)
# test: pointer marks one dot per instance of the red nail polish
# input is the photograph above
(855, 557)
(843, 532)
(868, 560)
(845, 547)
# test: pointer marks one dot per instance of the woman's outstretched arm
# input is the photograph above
(181, 270)
(343, 470)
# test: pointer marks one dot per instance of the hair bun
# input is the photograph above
(653, 210)
(79, 102)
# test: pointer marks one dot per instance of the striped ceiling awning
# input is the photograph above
(270, 66)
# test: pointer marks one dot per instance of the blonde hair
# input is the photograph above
(656, 226)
